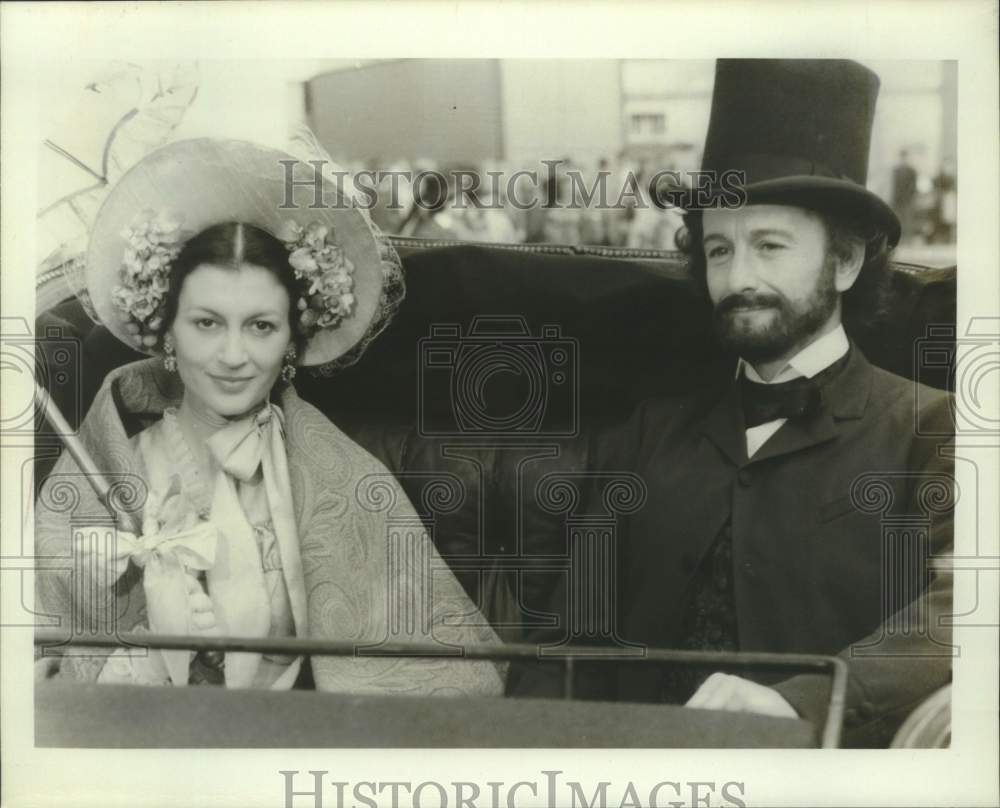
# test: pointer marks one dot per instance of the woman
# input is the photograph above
(259, 518)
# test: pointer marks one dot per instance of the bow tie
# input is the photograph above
(238, 446)
(793, 399)
(767, 402)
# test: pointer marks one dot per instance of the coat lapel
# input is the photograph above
(846, 396)
(843, 398)
(797, 435)
(723, 425)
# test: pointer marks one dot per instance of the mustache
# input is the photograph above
(740, 301)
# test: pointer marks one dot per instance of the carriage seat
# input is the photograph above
(499, 363)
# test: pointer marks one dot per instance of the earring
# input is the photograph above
(288, 369)
(169, 360)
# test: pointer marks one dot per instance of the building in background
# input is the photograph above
(491, 115)
(666, 104)
(639, 115)
(468, 111)
(521, 110)
(665, 107)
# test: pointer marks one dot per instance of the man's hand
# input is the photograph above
(720, 691)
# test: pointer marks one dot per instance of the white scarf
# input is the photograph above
(225, 548)
(236, 579)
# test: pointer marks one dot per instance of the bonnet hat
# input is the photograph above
(800, 131)
(349, 275)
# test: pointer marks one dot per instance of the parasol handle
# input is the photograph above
(82, 457)
(73, 444)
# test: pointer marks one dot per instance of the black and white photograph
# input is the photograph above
(500, 405)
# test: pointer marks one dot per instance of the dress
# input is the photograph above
(361, 548)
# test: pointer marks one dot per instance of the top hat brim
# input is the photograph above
(205, 182)
(821, 194)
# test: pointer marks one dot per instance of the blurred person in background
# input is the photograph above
(482, 215)
(565, 217)
(430, 216)
(554, 220)
(595, 219)
(904, 192)
(945, 203)
(387, 210)
(653, 227)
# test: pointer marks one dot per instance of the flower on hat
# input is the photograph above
(152, 241)
(308, 319)
(303, 262)
(326, 274)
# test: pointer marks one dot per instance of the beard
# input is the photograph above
(789, 325)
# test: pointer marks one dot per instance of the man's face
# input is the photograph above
(770, 279)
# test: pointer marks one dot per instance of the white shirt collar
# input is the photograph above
(815, 357)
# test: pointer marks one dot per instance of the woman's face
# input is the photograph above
(230, 336)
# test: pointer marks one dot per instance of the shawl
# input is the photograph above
(372, 573)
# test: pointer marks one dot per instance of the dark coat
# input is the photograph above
(809, 512)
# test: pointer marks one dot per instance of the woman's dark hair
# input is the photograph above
(865, 304)
(230, 245)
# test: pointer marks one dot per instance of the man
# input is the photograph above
(904, 191)
(767, 524)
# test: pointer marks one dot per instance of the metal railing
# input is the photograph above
(567, 656)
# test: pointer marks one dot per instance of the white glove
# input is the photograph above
(201, 616)
(102, 561)
(722, 691)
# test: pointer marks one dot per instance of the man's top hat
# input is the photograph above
(800, 130)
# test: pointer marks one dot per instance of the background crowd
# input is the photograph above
(926, 205)
(553, 210)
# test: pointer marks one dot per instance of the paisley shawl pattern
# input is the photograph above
(355, 574)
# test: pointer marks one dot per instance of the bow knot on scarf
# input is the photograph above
(174, 541)
(172, 534)
(195, 547)
(239, 446)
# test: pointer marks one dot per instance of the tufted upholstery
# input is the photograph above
(635, 328)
